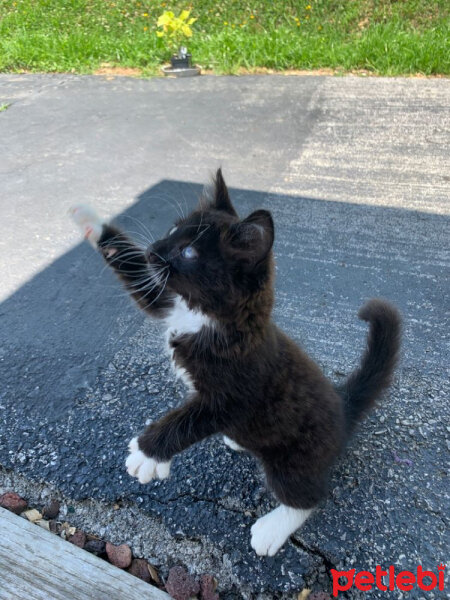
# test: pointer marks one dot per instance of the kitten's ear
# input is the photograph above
(221, 198)
(252, 238)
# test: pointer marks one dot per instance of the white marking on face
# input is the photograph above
(182, 320)
(145, 468)
(271, 531)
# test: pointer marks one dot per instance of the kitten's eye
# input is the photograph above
(189, 253)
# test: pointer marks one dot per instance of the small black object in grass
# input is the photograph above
(181, 65)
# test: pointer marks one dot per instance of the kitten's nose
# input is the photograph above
(153, 256)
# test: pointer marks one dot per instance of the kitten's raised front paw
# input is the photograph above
(88, 221)
(144, 468)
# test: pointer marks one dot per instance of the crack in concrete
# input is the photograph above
(327, 563)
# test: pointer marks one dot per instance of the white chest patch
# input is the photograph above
(179, 321)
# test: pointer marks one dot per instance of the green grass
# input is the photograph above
(386, 37)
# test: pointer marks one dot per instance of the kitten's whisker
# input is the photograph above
(118, 240)
(138, 252)
(144, 227)
(147, 292)
(201, 221)
(159, 256)
(165, 198)
(183, 195)
(206, 226)
(144, 283)
(111, 264)
(139, 239)
(124, 257)
(123, 246)
(179, 206)
(162, 290)
(129, 261)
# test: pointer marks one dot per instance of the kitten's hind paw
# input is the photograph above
(88, 221)
(145, 468)
(271, 531)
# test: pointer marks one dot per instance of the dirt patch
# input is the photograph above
(299, 72)
(110, 72)
(324, 71)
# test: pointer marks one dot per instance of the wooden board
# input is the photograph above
(38, 565)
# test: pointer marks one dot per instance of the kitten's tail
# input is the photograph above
(366, 384)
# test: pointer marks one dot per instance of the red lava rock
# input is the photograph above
(180, 585)
(51, 511)
(208, 588)
(95, 546)
(319, 596)
(139, 568)
(13, 502)
(78, 539)
(120, 556)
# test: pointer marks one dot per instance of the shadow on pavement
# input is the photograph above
(82, 369)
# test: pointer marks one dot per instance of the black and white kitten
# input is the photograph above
(210, 280)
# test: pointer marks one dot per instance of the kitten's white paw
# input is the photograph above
(144, 468)
(267, 536)
(232, 444)
(271, 531)
(88, 221)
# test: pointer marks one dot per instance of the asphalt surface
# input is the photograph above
(356, 173)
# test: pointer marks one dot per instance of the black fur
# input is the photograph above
(364, 385)
(252, 382)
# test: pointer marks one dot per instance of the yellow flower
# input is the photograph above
(145, 29)
(252, 16)
(186, 30)
(175, 27)
(145, 15)
(225, 22)
(308, 7)
(165, 18)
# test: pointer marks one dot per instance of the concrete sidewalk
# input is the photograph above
(357, 174)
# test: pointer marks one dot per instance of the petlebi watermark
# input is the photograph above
(389, 579)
